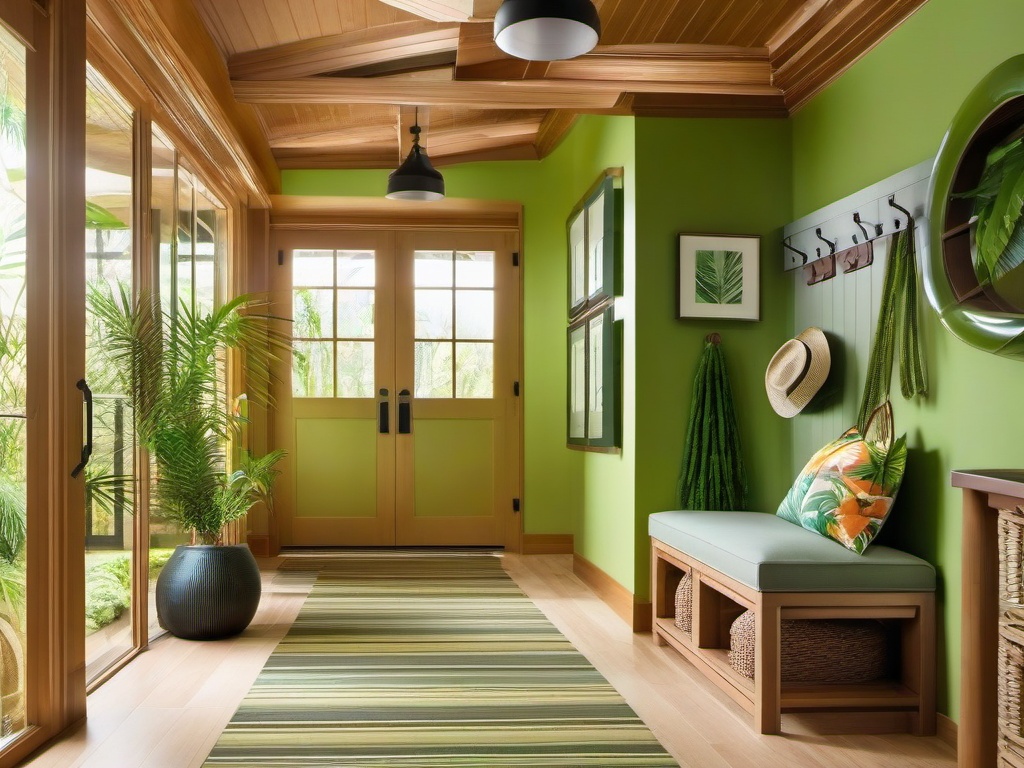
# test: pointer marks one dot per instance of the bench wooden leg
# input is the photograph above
(767, 665)
(919, 664)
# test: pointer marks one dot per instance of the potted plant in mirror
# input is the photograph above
(171, 364)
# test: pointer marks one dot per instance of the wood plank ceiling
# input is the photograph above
(334, 83)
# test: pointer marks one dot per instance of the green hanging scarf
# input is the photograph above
(897, 317)
(712, 476)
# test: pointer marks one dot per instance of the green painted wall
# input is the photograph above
(566, 491)
(887, 113)
(707, 176)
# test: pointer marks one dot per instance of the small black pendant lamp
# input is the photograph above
(415, 179)
(546, 30)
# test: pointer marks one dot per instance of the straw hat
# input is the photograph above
(797, 371)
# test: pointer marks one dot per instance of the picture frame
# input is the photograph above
(594, 418)
(594, 230)
(719, 276)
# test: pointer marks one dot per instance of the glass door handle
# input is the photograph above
(404, 412)
(87, 448)
(383, 422)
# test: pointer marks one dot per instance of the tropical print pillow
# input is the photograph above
(847, 488)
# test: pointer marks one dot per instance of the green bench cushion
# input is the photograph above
(770, 554)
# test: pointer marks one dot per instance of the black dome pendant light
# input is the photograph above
(416, 179)
(546, 30)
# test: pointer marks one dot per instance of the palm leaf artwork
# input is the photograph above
(719, 277)
(171, 366)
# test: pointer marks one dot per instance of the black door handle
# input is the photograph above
(87, 448)
(404, 412)
(383, 425)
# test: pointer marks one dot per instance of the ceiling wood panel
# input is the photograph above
(346, 50)
(333, 83)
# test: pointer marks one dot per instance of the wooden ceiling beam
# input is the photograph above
(707, 105)
(580, 95)
(449, 10)
(812, 52)
(392, 44)
(654, 62)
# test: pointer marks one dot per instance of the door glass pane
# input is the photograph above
(433, 369)
(433, 314)
(162, 212)
(183, 289)
(313, 369)
(312, 268)
(108, 477)
(341, 312)
(474, 370)
(210, 233)
(13, 532)
(313, 313)
(433, 269)
(355, 369)
(356, 269)
(355, 314)
(474, 269)
(475, 313)
(164, 228)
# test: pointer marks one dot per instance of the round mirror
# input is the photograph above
(974, 277)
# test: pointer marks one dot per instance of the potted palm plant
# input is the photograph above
(170, 364)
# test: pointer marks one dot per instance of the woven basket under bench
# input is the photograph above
(813, 650)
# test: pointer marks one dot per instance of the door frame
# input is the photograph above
(326, 214)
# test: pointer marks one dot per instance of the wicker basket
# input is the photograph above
(817, 650)
(1010, 673)
(684, 604)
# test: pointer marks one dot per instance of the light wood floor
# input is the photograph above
(167, 708)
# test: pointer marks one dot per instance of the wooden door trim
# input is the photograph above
(360, 213)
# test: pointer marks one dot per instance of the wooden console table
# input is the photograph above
(985, 493)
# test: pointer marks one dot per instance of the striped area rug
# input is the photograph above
(429, 661)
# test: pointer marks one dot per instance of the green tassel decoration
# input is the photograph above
(712, 475)
(897, 319)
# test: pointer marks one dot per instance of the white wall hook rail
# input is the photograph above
(860, 217)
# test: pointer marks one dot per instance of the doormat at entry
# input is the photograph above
(429, 661)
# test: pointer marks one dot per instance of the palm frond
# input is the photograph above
(719, 277)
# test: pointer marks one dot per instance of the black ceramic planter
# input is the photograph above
(205, 592)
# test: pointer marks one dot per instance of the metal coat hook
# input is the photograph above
(801, 254)
(831, 245)
(901, 209)
(856, 220)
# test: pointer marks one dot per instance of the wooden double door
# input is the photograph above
(402, 419)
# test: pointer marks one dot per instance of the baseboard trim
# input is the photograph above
(636, 613)
(547, 544)
(259, 544)
(947, 730)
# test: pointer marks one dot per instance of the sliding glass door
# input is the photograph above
(13, 348)
(109, 254)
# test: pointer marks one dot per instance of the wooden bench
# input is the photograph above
(750, 560)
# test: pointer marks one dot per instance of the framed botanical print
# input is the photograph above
(595, 376)
(594, 344)
(595, 244)
(719, 276)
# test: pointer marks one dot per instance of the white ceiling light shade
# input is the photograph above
(546, 30)
(416, 178)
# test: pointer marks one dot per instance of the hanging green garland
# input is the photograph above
(897, 320)
(712, 475)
